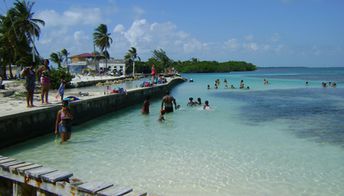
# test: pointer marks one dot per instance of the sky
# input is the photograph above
(267, 33)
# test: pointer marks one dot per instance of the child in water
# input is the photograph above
(161, 117)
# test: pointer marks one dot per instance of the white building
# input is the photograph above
(113, 65)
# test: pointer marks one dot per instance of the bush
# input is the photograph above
(57, 74)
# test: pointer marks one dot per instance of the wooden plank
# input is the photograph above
(6, 160)
(115, 191)
(21, 170)
(93, 187)
(6, 165)
(14, 167)
(38, 172)
(57, 176)
(2, 158)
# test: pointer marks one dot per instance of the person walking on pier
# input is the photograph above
(167, 103)
(63, 123)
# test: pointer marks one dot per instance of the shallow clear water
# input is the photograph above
(281, 139)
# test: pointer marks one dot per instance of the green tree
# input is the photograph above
(131, 57)
(57, 58)
(163, 60)
(65, 53)
(102, 40)
(18, 29)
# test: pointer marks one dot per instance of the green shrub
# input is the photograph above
(57, 74)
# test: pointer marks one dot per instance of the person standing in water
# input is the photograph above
(167, 103)
(63, 123)
(145, 107)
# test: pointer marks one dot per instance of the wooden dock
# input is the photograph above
(20, 175)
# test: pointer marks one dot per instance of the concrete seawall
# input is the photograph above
(20, 127)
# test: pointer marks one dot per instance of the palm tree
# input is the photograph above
(25, 23)
(65, 53)
(57, 58)
(18, 30)
(132, 54)
(102, 40)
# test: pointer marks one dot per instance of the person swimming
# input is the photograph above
(199, 102)
(191, 102)
(206, 105)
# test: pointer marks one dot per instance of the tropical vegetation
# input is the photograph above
(130, 58)
(18, 31)
(162, 63)
(102, 40)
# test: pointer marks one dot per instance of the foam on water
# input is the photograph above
(276, 140)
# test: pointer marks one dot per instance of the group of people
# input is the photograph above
(43, 73)
(167, 103)
(217, 85)
(329, 84)
(198, 103)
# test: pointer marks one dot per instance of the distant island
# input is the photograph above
(162, 63)
(213, 66)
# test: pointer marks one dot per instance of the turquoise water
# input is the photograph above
(281, 139)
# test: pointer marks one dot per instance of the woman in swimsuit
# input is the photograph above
(63, 123)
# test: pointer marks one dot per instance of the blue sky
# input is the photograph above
(264, 32)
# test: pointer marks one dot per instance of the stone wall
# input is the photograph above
(26, 125)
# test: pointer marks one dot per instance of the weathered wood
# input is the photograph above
(135, 193)
(6, 160)
(56, 176)
(6, 165)
(21, 170)
(1, 158)
(14, 167)
(115, 191)
(38, 172)
(93, 187)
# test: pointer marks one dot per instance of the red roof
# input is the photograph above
(84, 55)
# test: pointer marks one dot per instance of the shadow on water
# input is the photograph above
(313, 113)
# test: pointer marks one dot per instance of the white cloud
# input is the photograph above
(149, 36)
(232, 44)
(119, 28)
(75, 16)
(251, 46)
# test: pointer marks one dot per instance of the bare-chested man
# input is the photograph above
(167, 103)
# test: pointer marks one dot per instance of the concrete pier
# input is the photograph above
(21, 126)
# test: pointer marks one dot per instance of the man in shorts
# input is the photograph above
(167, 103)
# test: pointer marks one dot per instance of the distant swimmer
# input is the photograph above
(242, 85)
(191, 102)
(307, 83)
(208, 86)
(199, 102)
(167, 103)
(232, 86)
(206, 105)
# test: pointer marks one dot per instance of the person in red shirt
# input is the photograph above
(153, 73)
